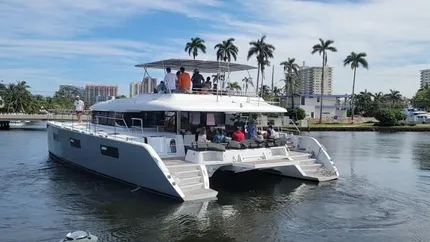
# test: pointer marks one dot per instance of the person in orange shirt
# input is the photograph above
(184, 81)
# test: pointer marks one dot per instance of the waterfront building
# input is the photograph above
(99, 93)
(310, 80)
(425, 78)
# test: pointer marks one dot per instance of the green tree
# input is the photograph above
(355, 60)
(234, 86)
(247, 81)
(389, 116)
(265, 92)
(322, 48)
(362, 103)
(422, 98)
(394, 97)
(18, 98)
(291, 72)
(226, 50)
(194, 46)
(64, 97)
(263, 51)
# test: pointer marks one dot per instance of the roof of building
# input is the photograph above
(204, 66)
(318, 95)
(188, 102)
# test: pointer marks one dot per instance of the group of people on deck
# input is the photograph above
(182, 82)
(238, 135)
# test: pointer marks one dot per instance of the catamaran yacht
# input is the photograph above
(149, 141)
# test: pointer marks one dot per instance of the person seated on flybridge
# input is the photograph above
(161, 88)
(170, 80)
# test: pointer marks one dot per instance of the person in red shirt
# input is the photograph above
(238, 135)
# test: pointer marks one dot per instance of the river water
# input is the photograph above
(382, 195)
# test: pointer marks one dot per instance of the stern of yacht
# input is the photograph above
(295, 156)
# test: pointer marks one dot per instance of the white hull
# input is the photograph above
(125, 157)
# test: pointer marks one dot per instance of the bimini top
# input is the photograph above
(188, 102)
(203, 65)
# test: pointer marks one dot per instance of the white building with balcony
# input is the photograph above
(334, 106)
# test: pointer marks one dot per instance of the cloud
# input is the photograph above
(392, 32)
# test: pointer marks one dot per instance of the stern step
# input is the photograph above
(190, 180)
(201, 193)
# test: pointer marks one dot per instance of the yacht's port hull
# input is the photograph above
(122, 161)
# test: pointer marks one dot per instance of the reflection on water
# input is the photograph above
(382, 195)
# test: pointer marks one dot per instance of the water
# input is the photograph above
(382, 195)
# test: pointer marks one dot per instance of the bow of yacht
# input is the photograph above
(150, 141)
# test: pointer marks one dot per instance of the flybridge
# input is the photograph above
(203, 65)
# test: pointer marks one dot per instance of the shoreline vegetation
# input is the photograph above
(360, 127)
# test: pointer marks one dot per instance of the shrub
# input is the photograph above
(389, 117)
(296, 113)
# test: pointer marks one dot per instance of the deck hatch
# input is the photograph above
(109, 151)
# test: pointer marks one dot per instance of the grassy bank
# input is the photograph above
(364, 127)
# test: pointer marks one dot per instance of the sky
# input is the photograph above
(52, 42)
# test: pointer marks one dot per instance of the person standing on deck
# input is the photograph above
(197, 80)
(79, 108)
(252, 130)
(170, 80)
(184, 81)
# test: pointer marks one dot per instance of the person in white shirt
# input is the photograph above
(170, 80)
(79, 108)
(202, 135)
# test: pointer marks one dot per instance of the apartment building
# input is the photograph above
(310, 80)
(425, 78)
(135, 88)
(99, 93)
(146, 86)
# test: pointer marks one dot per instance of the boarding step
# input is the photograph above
(191, 187)
(199, 194)
(187, 174)
(183, 167)
(306, 162)
(264, 164)
(310, 168)
(321, 174)
(190, 181)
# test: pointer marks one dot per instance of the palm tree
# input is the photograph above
(234, 86)
(226, 50)
(355, 60)
(264, 91)
(394, 96)
(247, 81)
(291, 72)
(263, 51)
(19, 99)
(322, 48)
(378, 97)
(263, 65)
(194, 46)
